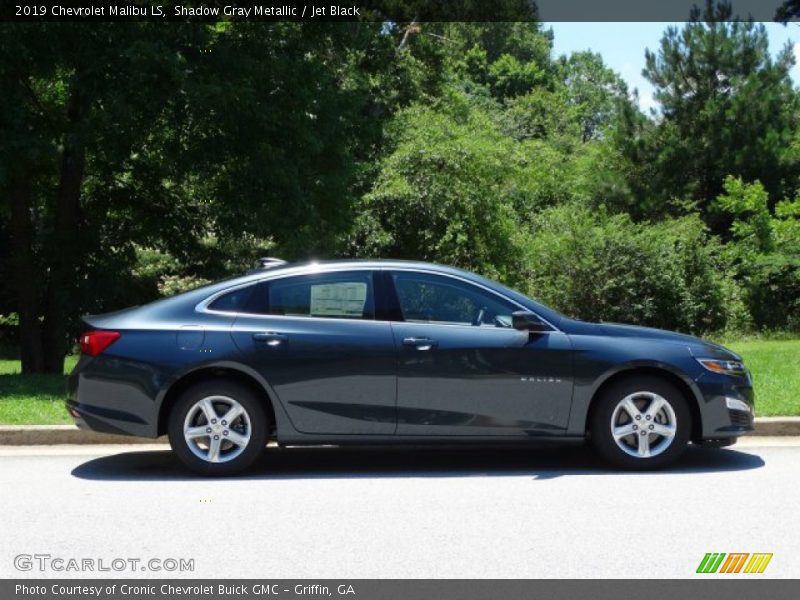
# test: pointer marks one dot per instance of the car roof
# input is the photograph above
(321, 266)
(356, 263)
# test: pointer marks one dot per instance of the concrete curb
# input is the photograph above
(777, 426)
(45, 435)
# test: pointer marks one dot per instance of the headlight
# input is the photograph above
(723, 367)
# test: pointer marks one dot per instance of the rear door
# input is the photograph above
(463, 369)
(315, 339)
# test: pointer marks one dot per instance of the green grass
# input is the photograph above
(775, 364)
(33, 399)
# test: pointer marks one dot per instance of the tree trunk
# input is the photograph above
(25, 280)
(65, 241)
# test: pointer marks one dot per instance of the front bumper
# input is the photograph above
(721, 421)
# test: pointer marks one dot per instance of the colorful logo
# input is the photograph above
(736, 562)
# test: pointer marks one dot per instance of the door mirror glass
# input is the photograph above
(528, 321)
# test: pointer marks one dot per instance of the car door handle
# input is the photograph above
(420, 343)
(270, 338)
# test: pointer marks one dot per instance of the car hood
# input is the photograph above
(697, 346)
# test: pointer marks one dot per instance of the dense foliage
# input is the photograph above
(139, 160)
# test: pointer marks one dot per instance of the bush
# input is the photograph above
(9, 335)
(596, 266)
(765, 253)
(773, 291)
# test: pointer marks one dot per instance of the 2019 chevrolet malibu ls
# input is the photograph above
(359, 352)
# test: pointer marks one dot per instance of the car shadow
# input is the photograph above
(541, 463)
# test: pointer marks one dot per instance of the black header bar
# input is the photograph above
(373, 10)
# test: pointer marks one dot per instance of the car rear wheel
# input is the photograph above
(218, 427)
(641, 422)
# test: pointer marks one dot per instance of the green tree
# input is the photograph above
(510, 59)
(118, 137)
(76, 99)
(446, 192)
(594, 90)
(543, 114)
(726, 108)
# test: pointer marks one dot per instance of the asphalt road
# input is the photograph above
(546, 512)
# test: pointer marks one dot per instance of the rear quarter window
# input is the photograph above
(233, 301)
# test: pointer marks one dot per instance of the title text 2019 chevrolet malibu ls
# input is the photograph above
(357, 352)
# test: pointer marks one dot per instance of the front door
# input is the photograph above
(315, 341)
(463, 370)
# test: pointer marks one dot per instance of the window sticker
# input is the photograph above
(345, 299)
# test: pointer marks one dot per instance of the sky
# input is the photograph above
(622, 47)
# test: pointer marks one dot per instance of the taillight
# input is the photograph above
(94, 342)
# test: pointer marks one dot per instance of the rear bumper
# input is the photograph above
(84, 418)
(123, 405)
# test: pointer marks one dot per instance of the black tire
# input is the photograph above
(600, 426)
(255, 414)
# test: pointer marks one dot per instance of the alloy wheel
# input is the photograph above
(217, 429)
(643, 424)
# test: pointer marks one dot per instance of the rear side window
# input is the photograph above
(347, 295)
(232, 301)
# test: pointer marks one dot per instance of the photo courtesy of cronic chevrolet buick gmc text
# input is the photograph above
(391, 352)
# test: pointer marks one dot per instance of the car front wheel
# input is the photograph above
(641, 422)
(218, 427)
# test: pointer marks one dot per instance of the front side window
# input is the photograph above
(426, 298)
(346, 295)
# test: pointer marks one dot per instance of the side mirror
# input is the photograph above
(527, 321)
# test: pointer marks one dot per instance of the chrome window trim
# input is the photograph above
(203, 305)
